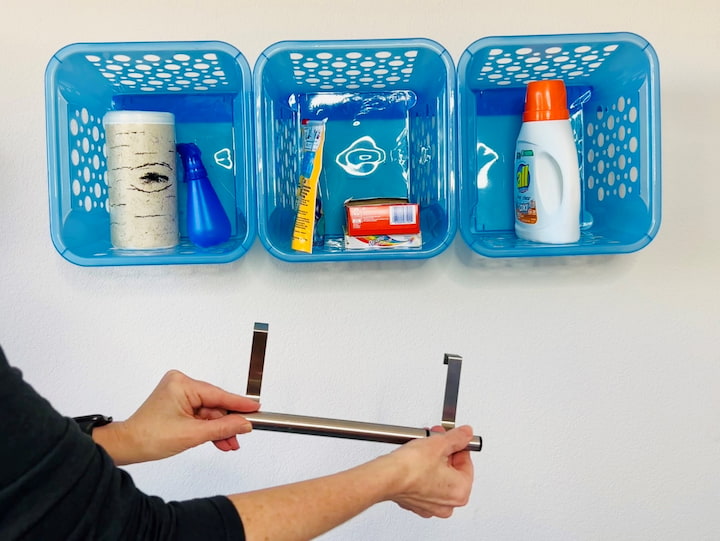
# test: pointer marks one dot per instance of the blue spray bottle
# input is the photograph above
(207, 223)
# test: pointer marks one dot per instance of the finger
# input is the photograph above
(239, 425)
(444, 512)
(210, 413)
(457, 439)
(416, 509)
(462, 462)
(229, 444)
(223, 428)
(428, 510)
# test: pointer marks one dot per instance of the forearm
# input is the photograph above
(307, 509)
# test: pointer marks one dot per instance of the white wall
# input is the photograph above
(601, 417)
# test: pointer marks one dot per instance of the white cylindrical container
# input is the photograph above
(547, 173)
(142, 184)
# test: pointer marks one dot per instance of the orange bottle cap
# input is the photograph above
(546, 100)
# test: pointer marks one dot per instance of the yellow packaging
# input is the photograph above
(313, 139)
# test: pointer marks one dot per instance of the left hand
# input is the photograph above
(179, 414)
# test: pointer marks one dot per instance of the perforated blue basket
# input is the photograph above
(613, 80)
(207, 85)
(389, 105)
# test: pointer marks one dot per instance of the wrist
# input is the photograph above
(392, 473)
(118, 442)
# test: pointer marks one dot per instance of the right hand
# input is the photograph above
(435, 473)
(428, 476)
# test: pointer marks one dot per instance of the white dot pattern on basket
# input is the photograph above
(424, 148)
(353, 70)
(86, 138)
(612, 150)
(285, 195)
(505, 66)
(169, 72)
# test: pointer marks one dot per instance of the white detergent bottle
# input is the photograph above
(547, 174)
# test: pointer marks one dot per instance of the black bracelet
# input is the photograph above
(88, 422)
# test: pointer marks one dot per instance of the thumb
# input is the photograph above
(223, 427)
(211, 396)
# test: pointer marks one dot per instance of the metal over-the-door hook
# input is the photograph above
(257, 361)
(452, 386)
(338, 428)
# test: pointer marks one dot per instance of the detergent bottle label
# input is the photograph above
(525, 201)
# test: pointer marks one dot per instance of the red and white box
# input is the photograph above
(382, 216)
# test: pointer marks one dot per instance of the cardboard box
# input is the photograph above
(382, 242)
(382, 216)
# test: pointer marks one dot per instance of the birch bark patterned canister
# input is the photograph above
(142, 184)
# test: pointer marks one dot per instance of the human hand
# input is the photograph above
(179, 414)
(435, 474)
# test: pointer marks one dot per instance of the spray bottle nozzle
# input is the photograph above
(193, 165)
(207, 222)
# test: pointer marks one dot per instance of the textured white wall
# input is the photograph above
(601, 416)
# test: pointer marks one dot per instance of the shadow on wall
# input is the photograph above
(463, 266)
(595, 268)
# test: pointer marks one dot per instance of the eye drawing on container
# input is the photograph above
(153, 181)
(362, 158)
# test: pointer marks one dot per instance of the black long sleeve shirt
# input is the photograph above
(57, 484)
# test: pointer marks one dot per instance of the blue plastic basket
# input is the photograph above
(389, 98)
(207, 85)
(388, 102)
(613, 80)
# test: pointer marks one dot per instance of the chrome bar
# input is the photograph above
(337, 428)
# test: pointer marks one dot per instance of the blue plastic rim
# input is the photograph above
(613, 80)
(207, 85)
(391, 99)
